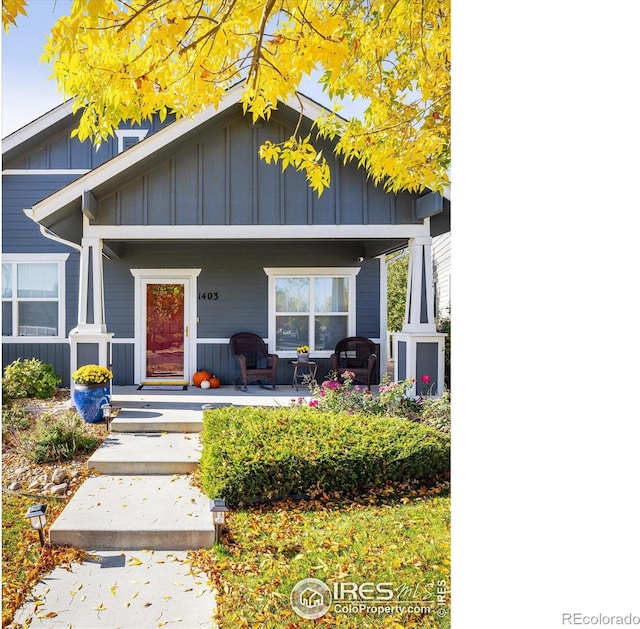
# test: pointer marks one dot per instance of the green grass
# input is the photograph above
(394, 535)
(22, 556)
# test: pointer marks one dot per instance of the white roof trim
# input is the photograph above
(151, 144)
(254, 232)
(37, 126)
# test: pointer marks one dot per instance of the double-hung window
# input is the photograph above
(314, 307)
(33, 294)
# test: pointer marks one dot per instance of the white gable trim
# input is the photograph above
(37, 126)
(152, 144)
(129, 158)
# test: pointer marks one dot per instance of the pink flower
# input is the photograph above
(313, 403)
(426, 379)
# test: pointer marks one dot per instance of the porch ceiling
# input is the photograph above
(369, 248)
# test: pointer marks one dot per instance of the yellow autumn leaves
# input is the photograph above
(127, 61)
(10, 11)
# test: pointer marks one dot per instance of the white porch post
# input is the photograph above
(90, 342)
(419, 348)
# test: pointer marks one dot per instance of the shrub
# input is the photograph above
(58, 438)
(437, 413)
(29, 378)
(15, 420)
(392, 400)
(267, 453)
(15, 417)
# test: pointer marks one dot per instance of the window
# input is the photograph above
(128, 137)
(314, 307)
(33, 295)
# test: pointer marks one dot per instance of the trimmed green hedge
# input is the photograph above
(262, 453)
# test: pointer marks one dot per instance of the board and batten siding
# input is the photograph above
(62, 152)
(218, 179)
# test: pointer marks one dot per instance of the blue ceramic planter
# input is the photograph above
(89, 399)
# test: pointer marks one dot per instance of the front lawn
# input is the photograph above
(395, 538)
(24, 561)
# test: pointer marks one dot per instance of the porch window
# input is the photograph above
(33, 295)
(314, 307)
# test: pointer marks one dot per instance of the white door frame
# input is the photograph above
(165, 276)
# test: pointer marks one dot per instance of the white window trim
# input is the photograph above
(37, 258)
(273, 273)
(121, 134)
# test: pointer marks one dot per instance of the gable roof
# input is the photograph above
(68, 200)
(34, 132)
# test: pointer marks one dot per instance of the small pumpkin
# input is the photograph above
(199, 376)
(204, 384)
(214, 381)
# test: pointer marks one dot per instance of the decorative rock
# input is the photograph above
(48, 486)
(34, 484)
(59, 490)
(59, 475)
(15, 485)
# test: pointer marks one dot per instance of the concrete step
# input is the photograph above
(135, 512)
(158, 420)
(147, 453)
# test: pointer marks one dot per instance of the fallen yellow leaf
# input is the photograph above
(49, 615)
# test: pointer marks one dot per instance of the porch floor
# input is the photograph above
(195, 398)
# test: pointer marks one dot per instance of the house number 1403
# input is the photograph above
(208, 296)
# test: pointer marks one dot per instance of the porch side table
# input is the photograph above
(299, 373)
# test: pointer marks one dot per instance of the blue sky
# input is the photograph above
(26, 91)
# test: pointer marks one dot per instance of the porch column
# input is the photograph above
(90, 342)
(419, 348)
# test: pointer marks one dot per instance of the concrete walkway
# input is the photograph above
(138, 518)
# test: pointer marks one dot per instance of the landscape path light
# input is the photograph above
(106, 413)
(218, 506)
(38, 519)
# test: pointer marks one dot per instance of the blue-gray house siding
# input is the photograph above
(219, 179)
(210, 176)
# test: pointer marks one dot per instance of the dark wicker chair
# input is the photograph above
(256, 364)
(356, 354)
